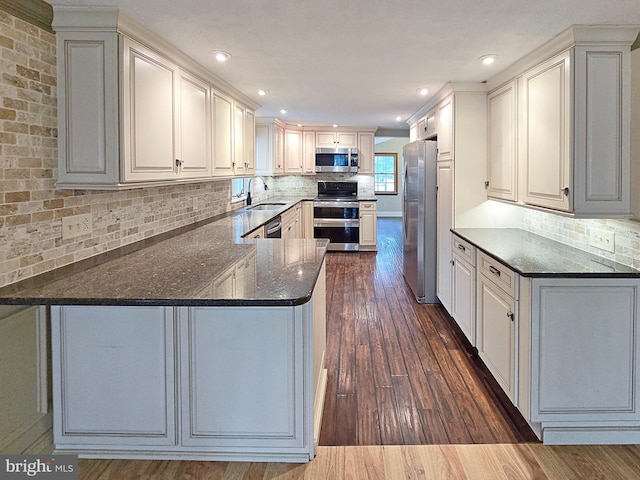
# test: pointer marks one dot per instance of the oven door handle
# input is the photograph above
(335, 222)
(337, 204)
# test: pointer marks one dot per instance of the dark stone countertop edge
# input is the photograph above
(629, 272)
(10, 294)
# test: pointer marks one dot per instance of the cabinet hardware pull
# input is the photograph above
(461, 247)
(179, 162)
(511, 315)
(565, 190)
(486, 184)
(494, 270)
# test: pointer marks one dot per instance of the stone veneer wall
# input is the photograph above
(31, 208)
(577, 234)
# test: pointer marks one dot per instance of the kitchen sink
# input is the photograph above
(267, 206)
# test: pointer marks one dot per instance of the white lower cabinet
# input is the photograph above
(463, 290)
(213, 383)
(564, 350)
(368, 226)
(585, 363)
(496, 339)
(113, 377)
(240, 390)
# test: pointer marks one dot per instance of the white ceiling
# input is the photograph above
(359, 62)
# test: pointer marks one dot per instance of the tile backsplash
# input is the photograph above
(308, 185)
(577, 233)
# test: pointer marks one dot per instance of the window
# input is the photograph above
(385, 169)
(237, 190)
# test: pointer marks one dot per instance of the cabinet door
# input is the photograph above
(293, 151)
(194, 127)
(222, 135)
(278, 145)
(113, 373)
(347, 139)
(444, 224)
(239, 159)
(422, 128)
(502, 132)
(445, 130)
(250, 141)
(368, 227)
(365, 153)
(149, 102)
(496, 333)
(431, 124)
(585, 345)
(325, 139)
(463, 308)
(239, 389)
(309, 152)
(545, 135)
(264, 149)
(307, 218)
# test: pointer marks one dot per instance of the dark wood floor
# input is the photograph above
(400, 372)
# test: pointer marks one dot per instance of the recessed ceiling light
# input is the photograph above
(423, 91)
(398, 118)
(221, 56)
(488, 59)
(262, 93)
(283, 111)
(299, 125)
(335, 126)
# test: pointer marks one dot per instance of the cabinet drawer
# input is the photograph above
(499, 274)
(367, 205)
(464, 250)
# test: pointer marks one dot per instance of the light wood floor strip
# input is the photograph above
(398, 462)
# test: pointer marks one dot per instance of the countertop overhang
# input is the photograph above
(182, 267)
(532, 255)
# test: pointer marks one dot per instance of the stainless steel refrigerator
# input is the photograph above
(419, 219)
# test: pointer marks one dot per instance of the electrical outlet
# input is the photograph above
(76, 226)
(603, 239)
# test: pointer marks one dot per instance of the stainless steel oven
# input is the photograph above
(336, 215)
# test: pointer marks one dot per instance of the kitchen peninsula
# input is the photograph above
(193, 345)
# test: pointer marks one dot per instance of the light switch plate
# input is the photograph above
(603, 239)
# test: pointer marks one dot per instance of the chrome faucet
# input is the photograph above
(249, 188)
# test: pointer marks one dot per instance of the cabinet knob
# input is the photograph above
(510, 315)
(565, 191)
(486, 184)
(452, 262)
(179, 162)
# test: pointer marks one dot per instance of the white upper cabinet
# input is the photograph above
(336, 139)
(502, 173)
(573, 124)
(545, 132)
(135, 111)
(366, 151)
(444, 128)
(194, 127)
(309, 152)
(293, 161)
(269, 146)
(222, 134)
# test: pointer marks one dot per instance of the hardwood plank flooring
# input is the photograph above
(401, 373)
(397, 462)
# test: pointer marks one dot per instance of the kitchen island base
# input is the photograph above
(241, 383)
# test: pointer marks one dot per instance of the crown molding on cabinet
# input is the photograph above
(109, 19)
(443, 93)
(35, 12)
(574, 36)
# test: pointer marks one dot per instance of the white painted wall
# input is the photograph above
(391, 205)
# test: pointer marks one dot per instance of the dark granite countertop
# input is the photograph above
(188, 267)
(532, 255)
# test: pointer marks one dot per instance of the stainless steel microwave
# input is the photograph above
(341, 160)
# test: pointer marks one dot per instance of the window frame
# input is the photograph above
(395, 173)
